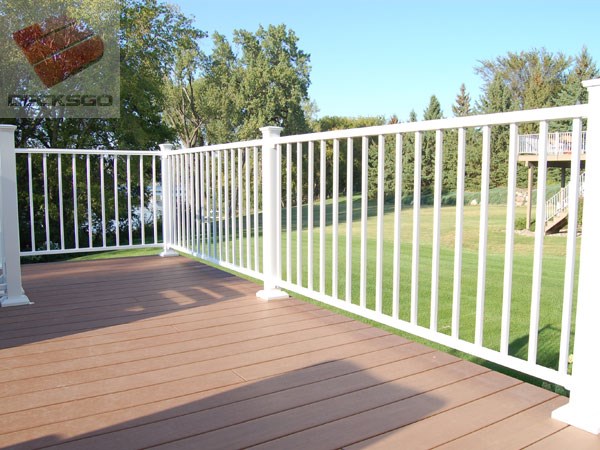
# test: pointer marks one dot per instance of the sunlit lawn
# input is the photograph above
(552, 279)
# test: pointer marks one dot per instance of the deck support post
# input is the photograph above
(166, 194)
(583, 409)
(270, 204)
(529, 194)
(10, 248)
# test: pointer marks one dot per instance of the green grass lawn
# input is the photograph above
(552, 282)
(552, 278)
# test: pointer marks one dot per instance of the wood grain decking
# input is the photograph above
(152, 352)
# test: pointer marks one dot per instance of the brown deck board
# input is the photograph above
(138, 352)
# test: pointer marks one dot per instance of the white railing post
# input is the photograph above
(166, 193)
(270, 204)
(9, 227)
(583, 409)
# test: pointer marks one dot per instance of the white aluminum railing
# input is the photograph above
(559, 143)
(88, 200)
(214, 203)
(224, 203)
(559, 202)
(304, 265)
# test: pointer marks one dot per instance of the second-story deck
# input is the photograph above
(560, 147)
(167, 352)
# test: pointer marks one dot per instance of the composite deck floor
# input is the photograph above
(169, 353)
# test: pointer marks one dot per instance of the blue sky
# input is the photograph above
(388, 57)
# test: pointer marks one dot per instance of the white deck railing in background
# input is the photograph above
(213, 199)
(559, 143)
(224, 203)
(88, 200)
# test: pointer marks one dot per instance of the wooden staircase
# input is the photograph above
(557, 208)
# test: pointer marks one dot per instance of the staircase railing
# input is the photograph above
(559, 202)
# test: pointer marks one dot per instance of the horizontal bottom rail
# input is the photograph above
(88, 249)
(226, 265)
(493, 356)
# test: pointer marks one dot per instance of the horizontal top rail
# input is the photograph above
(219, 147)
(74, 151)
(532, 115)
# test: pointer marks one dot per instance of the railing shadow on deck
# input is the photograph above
(331, 395)
(77, 297)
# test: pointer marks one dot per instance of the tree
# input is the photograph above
(462, 106)
(531, 79)
(261, 79)
(432, 112)
(150, 36)
(274, 81)
(573, 91)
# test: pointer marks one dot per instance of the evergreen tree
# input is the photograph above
(462, 107)
(408, 160)
(432, 112)
(573, 91)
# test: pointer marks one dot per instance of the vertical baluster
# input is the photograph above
(31, 212)
(483, 231)
(60, 203)
(186, 198)
(202, 204)
(540, 207)
(255, 179)
(380, 211)
(154, 218)
(226, 176)
(397, 212)
(129, 221)
(142, 206)
(509, 239)
(198, 201)
(437, 217)
(213, 202)
(240, 198)
(102, 200)
(288, 211)
(299, 252)
(192, 197)
(75, 218)
(364, 205)
(571, 257)
(248, 230)
(220, 203)
(208, 192)
(233, 209)
(182, 200)
(89, 199)
(458, 237)
(278, 193)
(414, 283)
(335, 219)
(349, 207)
(311, 218)
(322, 218)
(116, 192)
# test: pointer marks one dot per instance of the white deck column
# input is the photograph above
(583, 409)
(270, 204)
(166, 193)
(9, 227)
